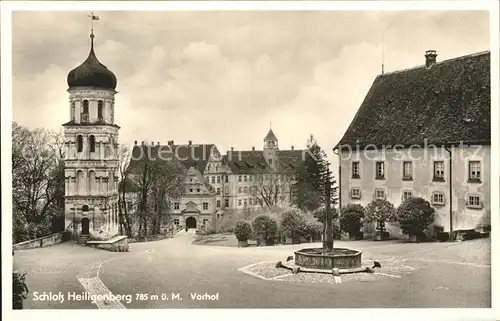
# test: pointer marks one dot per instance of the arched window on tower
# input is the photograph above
(73, 111)
(92, 143)
(80, 183)
(85, 107)
(85, 112)
(100, 106)
(79, 143)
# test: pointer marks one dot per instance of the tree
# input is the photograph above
(292, 223)
(319, 214)
(156, 182)
(265, 228)
(312, 178)
(380, 211)
(243, 230)
(37, 182)
(351, 218)
(124, 162)
(268, 190)
(414, 216)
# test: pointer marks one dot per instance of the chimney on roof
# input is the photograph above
(293, 147)
(253, 148)
(135, 142)
(152, 143)
(430, 58)
(170, 143)
(142, 143)
(232, 149)
(158, 143)
(190, 142)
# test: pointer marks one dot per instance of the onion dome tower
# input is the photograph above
(91, 148)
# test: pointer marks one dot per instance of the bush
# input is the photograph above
(380, 211)
(415, 215)
(265, 227)
(351, 218)
(319, 214)
(243, 230)
(292, 223)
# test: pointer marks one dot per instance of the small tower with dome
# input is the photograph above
(91, 149)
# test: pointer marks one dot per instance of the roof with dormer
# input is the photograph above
(254, 162)
(189, 155)
(446, 103)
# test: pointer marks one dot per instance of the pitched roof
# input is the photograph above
(446, 103)
(191, 155)
(253, 162)
(270, 136)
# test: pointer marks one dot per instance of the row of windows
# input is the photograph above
(473, 201)
(92, 143)
(204, 205)
(474, 170)
(216, 179)
(85, 110)
(265, 177)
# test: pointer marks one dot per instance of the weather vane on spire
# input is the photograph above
(92, 17)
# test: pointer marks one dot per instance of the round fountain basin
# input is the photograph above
(341, 258)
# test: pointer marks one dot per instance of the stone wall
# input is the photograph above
(39, 242)
(116, 244)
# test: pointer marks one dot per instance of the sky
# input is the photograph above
(226, 77)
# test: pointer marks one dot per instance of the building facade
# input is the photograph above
(91, 145)
(424, 132)
(215, 184)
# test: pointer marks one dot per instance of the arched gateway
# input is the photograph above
(191, 222)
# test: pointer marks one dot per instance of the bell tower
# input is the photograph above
(91, 146)
(270, 148)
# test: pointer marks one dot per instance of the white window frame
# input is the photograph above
(382, 170)
(410, 170)
(177, 205)
(377, 190)
(239, 202)
(474, 174)
(355, 172)
(474, 205)
(403, 195)
(356, 193)
(205, 206)
(440, 172)
(433, 200)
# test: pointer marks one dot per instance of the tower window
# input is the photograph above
(73, 110)
(100, 105)
(79, 143)
(92, 143)
(85, 106)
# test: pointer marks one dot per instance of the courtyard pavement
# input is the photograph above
(174, 273)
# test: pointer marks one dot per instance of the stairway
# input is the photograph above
(83, 239)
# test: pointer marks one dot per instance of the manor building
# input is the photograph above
(215, 183)
(424, 132)
(91, 145)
